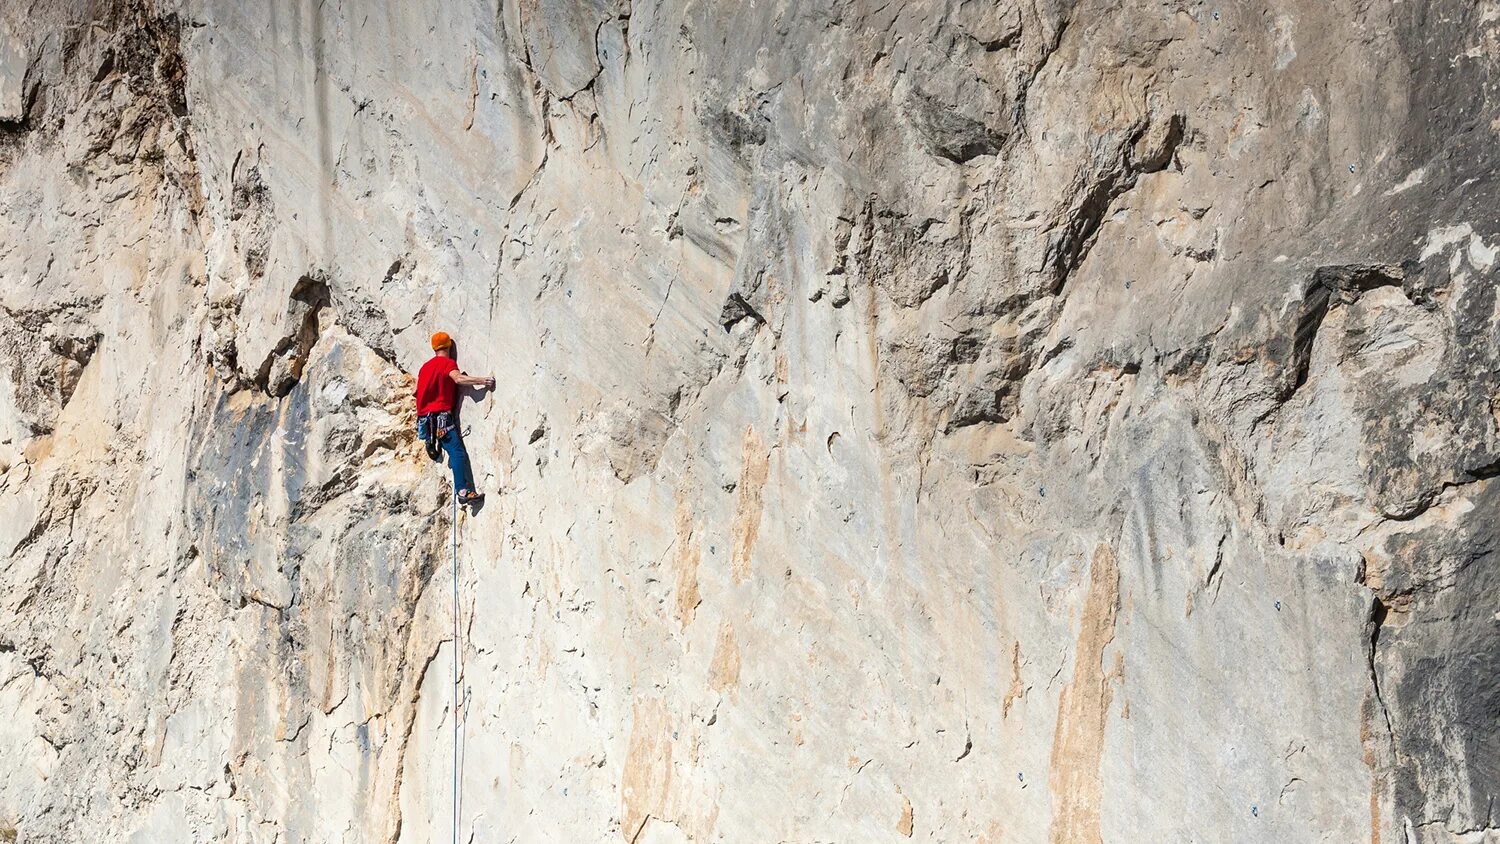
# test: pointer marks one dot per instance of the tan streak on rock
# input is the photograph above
(647, 780)
(1017, 689)
(904, 823)
(1082, 711)
(473, 69)
(753, 467)
(685, 563)
(724, 671)
(1372, 760)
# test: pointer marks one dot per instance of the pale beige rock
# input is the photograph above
(952, 421)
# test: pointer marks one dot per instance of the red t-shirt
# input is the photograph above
(435, 388)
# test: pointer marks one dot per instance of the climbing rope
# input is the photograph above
(457, 698)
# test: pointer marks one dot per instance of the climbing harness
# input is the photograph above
(430, 430)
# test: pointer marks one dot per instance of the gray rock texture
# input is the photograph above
(1007, 421)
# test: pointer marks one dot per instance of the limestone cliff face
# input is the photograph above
(1008, 421)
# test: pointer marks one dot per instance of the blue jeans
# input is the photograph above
(458, 460)
(458, 457)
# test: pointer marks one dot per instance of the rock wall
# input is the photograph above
(1006, 421)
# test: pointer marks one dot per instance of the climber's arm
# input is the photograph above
(463, 380)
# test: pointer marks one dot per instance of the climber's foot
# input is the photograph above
(469, 496)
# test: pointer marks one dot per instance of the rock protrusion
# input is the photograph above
(282, 368)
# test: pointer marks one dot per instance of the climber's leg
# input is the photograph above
(458, 461)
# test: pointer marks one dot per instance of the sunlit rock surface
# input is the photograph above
(1034, 421)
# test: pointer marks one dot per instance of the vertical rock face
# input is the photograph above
(960, 421)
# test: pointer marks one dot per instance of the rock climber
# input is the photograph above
(437, 412)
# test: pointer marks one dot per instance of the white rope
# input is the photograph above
(456, 698)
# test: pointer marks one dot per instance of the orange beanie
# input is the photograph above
(441, 341)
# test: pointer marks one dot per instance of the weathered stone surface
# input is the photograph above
(956, 421)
